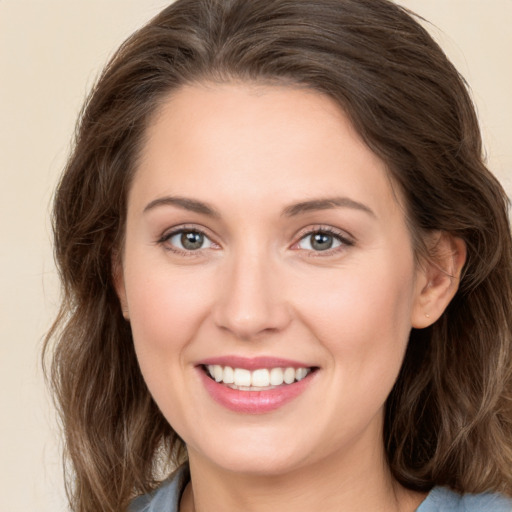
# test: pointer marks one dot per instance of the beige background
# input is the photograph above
(50, 54)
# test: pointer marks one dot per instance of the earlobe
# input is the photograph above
(119, 285)
(438, 278)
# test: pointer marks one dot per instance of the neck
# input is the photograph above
(359, 483)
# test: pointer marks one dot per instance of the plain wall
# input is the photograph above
(50, 53)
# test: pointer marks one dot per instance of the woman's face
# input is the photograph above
(262, 234)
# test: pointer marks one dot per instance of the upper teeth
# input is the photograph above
(261, 378)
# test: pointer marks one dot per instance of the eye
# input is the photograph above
(322, 240)
(187, 240)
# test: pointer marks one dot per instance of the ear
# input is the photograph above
(438, 278)
(119, 284)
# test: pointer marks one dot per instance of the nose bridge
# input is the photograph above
(252, 299)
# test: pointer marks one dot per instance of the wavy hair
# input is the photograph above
(448, 419)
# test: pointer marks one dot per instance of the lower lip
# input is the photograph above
(254, 402)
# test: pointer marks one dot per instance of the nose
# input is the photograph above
(251, 300)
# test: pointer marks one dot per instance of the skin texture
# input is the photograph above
(257, 287)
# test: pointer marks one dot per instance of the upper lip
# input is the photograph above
(253, 363)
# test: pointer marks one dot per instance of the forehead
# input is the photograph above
(229, 139)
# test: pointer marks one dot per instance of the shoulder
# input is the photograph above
(166, 497)
(442, 499)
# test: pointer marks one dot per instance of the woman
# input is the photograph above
(286, 268)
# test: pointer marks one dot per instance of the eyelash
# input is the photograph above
(344, 240)
(166, 237)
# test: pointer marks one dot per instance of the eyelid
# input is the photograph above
(173, 231)
(346, 239)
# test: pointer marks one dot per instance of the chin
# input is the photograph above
(266, 465)
(259, 456)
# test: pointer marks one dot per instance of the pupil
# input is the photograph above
(191, 240)
(321, 241)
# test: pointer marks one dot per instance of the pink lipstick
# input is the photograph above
(254, 385)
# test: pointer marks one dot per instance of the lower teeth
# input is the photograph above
(250, 388)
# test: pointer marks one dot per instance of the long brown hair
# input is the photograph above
(448, 418)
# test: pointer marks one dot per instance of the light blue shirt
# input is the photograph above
(440, 499)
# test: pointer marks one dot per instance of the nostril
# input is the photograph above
(260, 321)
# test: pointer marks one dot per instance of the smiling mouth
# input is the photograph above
(262, 379)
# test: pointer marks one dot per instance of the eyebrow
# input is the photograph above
(293, 210)
(326, 204)
(185, 203)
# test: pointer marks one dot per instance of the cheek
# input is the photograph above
(166, 309)
(362, 316)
